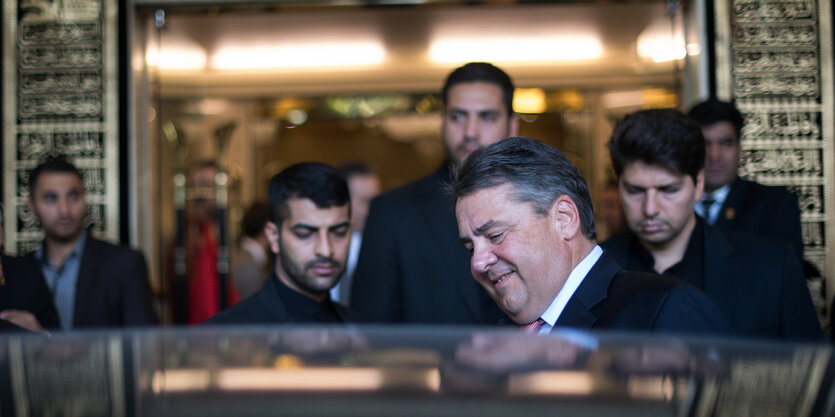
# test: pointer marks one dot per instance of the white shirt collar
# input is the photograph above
(552, 313)
(720, 194)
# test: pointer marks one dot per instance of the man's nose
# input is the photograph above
(711, 152)
(323, 246)
(63, 206)
(651, 203)
(472, 130)
(482, 259)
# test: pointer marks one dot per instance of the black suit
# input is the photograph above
(411, 267)
(757, 282)
(265, 307)
(112, 288)
(612, 299)
(27, 291)
(754, 208)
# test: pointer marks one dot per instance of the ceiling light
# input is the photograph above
(516, 49)
(298, 56)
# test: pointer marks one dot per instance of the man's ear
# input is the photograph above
(271, 230)
(513, 125)
(564, 217)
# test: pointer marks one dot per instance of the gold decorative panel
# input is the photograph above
(60, 86)
(774, 58)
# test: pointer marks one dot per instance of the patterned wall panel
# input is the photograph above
(774, 58)
(60, 78)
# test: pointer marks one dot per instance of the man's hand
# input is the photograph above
(23, 319)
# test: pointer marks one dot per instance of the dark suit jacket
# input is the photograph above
(24, 290)
(112, 289)
(411, 267)
(757, 282)
(264, 307)
(612, 299)
(762, 210)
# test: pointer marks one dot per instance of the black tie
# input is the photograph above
(707, 203)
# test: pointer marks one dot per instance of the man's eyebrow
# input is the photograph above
(485, 227)
(657, 187)
(339, 225)
(304, 226)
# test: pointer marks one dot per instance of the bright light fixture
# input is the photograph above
(516, 49)
(177, 57)
(529, 100)
(299, 56)
(660, 43)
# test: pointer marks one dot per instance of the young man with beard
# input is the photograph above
(309, 231)
(93, 283)
(658, 156)
(411, 268)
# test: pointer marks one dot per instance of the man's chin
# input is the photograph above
(65, 237)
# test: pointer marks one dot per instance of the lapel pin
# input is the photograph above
(730, 213)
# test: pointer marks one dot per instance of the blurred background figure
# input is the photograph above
(610, 211)
(203, 288)
(250, 264)
(730, 202)
(364, 185)
(412, 267)
(93, 283)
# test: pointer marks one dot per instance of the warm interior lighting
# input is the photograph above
(336, 54)
(529, 100)
(658, 42)
(617, 99)
(305, 379)
(177, 57)
(180, 380)
(295, 379)
(551, 382)
(516, 49)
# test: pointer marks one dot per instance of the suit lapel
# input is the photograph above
(733, 205)
(440, 216)
(85, 285)
(593, 290)
(719, 268)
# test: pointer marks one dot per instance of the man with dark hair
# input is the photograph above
(411, 268)
(249, 263)
(526, 217)
(93, 283)
(730, 202)
(309, 231)
(658, 156)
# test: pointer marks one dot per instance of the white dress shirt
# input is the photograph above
(552, 313)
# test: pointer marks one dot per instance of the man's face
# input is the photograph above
(58, 201)
(363, 189)
(203, 206)
(474, 117)
(721, 154)
(518, 256)
(658, 203)
(312, 246)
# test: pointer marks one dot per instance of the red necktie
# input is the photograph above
(533, 327)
